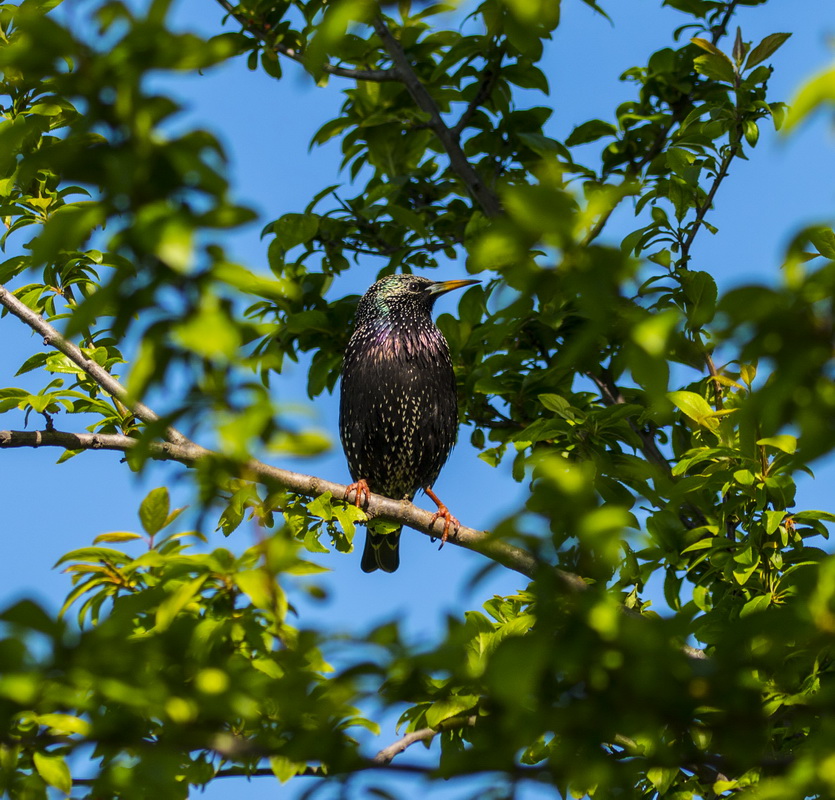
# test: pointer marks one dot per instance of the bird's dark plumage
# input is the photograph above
(398, 416)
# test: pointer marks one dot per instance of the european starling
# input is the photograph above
(398, 415)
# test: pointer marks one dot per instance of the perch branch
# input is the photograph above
(402, 511)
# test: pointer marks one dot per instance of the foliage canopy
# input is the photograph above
(658, 424)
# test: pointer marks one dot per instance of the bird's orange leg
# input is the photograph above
(444, 514)
(362, 493)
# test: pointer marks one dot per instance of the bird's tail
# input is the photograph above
(382, 551)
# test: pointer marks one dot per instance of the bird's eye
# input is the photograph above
(415, 286)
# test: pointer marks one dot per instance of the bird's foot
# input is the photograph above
(442, 513)
(362, 493)
(449, 522)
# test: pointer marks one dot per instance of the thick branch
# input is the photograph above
(400, 511)
(373, 75)
(480, 192)
(98, 373)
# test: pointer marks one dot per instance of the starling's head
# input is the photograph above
(407, 295)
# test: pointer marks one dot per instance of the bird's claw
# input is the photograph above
(449, 521)
(362, 493)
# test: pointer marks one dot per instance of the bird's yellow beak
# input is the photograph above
(442, 287)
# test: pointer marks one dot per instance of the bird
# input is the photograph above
(398, 410)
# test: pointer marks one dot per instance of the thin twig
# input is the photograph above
(387, 754)
(717, 385)
(722, 28)
(485, 89)
(705, 206)
(373, 75)
(611, 396)
(660, 140)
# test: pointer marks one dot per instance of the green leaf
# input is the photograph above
(322, 506)
(154, 510)
(116, 536)
(173, 604)
(654, 331)
(709, 47)
(701, 292)
(824, 241)
(662, 778)
(284, 769)
(348, 515)
(773, 520)
(719, 69)
(590, 131)
(554, 402)
(784, 442)
(526, 77)
(695, 407)
(766, 48)
(759, 603)
(64, 723)
(210, 332)
(258, 585)
(295, 229)
(449, 707)
(825, 516)
(54, 771)
(811, 96)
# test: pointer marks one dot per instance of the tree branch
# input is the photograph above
(722, 28)
(373, 75)
(658, 145)
(402, 511)
(480, 192)
(721, 174)
(386, 755)
(717, 385)
(611, 395)
(98, 373)
(488, 80)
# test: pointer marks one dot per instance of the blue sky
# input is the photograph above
(265, 127)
